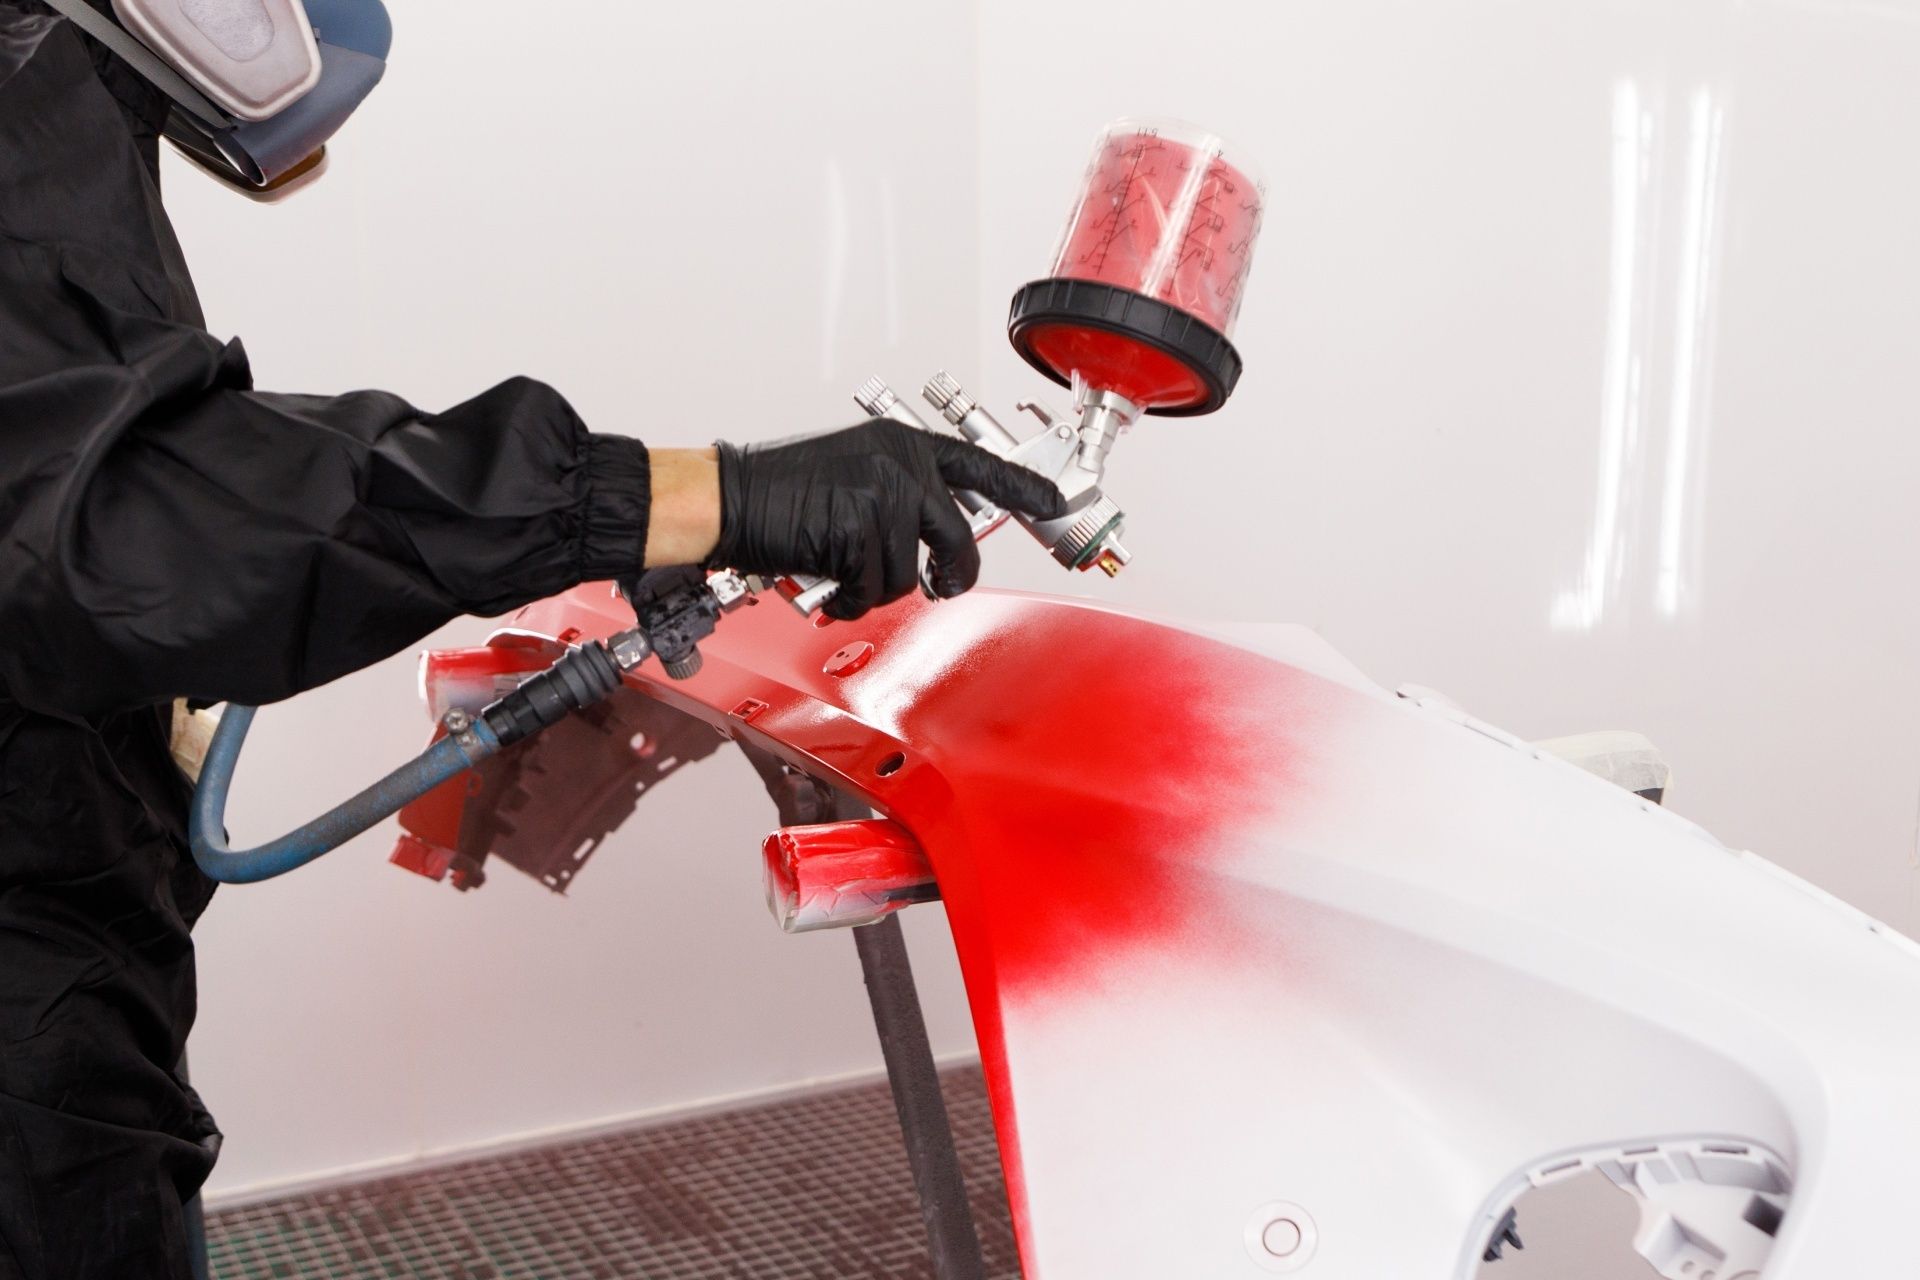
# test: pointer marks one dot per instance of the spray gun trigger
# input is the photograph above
(930, 583)
(1038, 410)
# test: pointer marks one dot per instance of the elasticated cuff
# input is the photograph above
(613, 537)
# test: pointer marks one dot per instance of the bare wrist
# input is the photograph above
(683, 523)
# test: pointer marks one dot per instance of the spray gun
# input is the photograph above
(1074, 458)
(1134, 318)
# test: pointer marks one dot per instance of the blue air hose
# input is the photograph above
(583, 676)
(207, 829)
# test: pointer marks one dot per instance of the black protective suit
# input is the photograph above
(165, 530)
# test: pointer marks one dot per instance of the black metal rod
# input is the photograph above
(924, 1125)
(194, 1215)
(197, 1239)
(951, 1237)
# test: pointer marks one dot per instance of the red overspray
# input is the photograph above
(1072, 774)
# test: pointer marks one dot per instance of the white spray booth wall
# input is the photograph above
(1580, 386)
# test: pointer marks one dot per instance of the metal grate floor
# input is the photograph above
(814, 1187)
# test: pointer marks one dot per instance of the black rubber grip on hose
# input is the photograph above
(583, 677)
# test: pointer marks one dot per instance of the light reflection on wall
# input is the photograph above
(1581, 608)
(1659, 326)
(1681, 510)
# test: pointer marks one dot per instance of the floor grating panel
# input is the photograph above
(815, 1187)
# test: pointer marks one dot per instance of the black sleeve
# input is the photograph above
(167, 531)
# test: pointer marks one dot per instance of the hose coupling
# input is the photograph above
(585, 675)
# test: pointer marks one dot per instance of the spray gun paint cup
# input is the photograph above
(1149, 273)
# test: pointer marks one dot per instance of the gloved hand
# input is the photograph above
(855, 504)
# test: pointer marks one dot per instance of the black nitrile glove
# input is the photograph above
(855, 505)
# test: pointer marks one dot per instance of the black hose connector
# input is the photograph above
(684, 667)
(583, 677)
(676, 610)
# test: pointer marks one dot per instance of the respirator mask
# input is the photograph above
(257, 86)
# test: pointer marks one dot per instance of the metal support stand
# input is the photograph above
(951, 1237)
(197, 1240)
(196, 1221)
(952, 1241)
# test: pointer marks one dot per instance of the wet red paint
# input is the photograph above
(1072, 774)
(844, 873)
(1092, 761)
(845, 661)
(468, 678)
(422, 857)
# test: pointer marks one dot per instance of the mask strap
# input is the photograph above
(144, 60)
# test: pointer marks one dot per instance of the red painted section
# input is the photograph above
(830, 874)
(430, 825)
(1070, 773)
(845, 662)
(421, 858)
(471, 678)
